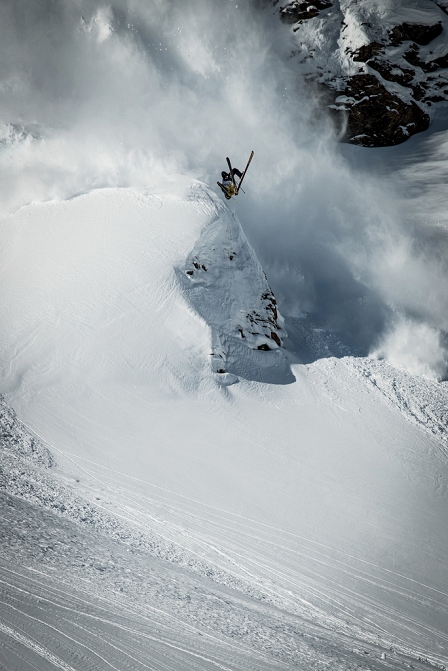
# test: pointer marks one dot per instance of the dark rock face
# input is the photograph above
(302, 11)
(379, 93)
(402, 76)
(364, 53)
(413, 32)
(412, 56)
(375, 117)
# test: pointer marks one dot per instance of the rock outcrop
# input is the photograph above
(227, 287)
(382, 75)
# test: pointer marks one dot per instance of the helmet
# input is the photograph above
(224, 175)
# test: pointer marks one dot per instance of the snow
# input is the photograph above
(333, 37)
(305, 496)
(287, 513)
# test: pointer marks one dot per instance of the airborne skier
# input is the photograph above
(228, 185)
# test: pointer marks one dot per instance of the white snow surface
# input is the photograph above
(310, 510)
(290, 512)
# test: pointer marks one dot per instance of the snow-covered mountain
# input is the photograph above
(294, 500)
(382, 66)
(224, 424)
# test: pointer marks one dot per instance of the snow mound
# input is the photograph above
(304, 498)
(226, 285)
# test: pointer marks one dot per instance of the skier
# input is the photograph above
(228, 182)
(228, 186)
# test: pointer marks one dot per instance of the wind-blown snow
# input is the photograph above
(124, 92)
(289, 512)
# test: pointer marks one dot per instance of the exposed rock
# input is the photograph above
(443, 7)
(413, 32)
(418, 91)
(370, 74)
(302, 11)
(375, 117)
(437, 63)
(275, 338)
(402, 76)
(412, 56)
(367, 51)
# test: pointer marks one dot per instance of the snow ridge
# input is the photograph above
(423, 402)
(16, 440)
(381, 67)
(227, 286)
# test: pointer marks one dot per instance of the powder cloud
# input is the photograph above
(96, 94)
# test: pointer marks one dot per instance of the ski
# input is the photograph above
(231, 173)
(244, 171)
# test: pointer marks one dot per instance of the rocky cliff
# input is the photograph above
(380, 67)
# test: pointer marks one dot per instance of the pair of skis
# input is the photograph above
(237, 186)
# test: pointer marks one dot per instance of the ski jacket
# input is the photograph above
(229, 187)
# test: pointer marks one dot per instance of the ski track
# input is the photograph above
(117, 567)
(263, 573)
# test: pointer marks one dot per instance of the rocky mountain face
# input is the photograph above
(380, 66)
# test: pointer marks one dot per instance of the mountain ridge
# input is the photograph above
(380, 69)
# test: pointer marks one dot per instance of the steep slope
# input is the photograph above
(300, 506)
(381, 67)
(228, 288)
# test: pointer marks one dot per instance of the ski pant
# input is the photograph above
(227, 176)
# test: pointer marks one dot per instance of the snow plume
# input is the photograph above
(414, 347)
(121, 93)
(111, 94)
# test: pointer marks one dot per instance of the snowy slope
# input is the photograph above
(201, 468)
(304, 497)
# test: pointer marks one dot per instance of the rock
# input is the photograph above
(414, 32)
(412, 56)
(375, 117)
(367, 51)
(403, 76)
(372, 75)
(303, 11)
